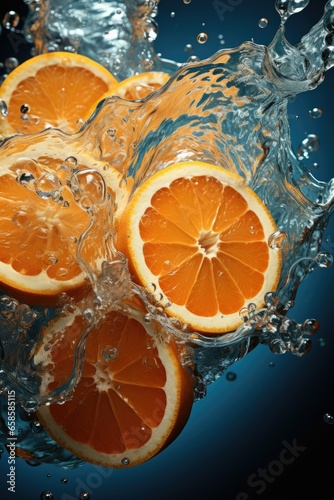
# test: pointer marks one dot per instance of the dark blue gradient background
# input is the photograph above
(240, 426)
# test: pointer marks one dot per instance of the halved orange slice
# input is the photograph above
(55, 89)
(198, 236)
(133, 398)
(42, 219)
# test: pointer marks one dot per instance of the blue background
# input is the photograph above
(241, 425)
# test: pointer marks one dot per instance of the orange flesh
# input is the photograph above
(57, 96)
(126, 392)
(37, 233)
(204, 245)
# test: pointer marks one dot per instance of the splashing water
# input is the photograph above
(231, 111)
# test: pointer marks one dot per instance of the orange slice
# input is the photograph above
(198, 236)
(55, 89)
(133, 398)
(41, 222)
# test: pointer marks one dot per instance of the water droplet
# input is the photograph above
(61, 272)
(24, 108)
(277, 346)
(3, 108)
(324, 259)
(231, 376)
(193, 59)
(151, 287)
(84, 495)
(42, 232)
(189, 48)
(288, 305)
(109, 352)
(277, 240)
(202, 38)
(322, 342)
(296, 6)
(244, 314)
(310, 144)
(47, 495)
(263, 22)
(21, 219)
(70, 162)
(125, 461)
(111, 132)
(315, 113)
(328, 418)
(11, 20)
(11, 63)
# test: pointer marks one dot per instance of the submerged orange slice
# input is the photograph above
(198, 236)
(55, 89)
(42, 219)
(133, 398)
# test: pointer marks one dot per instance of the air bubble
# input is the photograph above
(109, 352)
(11, 20)
(42, 232)
(11, 63)
(151, 288)
(36, 427)
(125, 461)
(172, 14)
(202, 38)
(21, 219)
(71, 162)
(310, 144)
(231, 376)
(310, 326)
(84, 495)
(193, 59)
(189, 49)
(244, 314)
(329, 418)
(315, 113)
(187, 2)
(3, 108)
(263, 22)
(64, 480)
(25, 178)
(24, 108)
(324, 259)
(277, 240)
(47, 495)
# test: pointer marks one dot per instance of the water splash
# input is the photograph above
(231, 111)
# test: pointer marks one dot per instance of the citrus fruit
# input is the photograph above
(133, 397)
(55, 89)
(42, 217)
(197, 236)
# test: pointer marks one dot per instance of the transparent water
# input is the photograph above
(246, 132)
